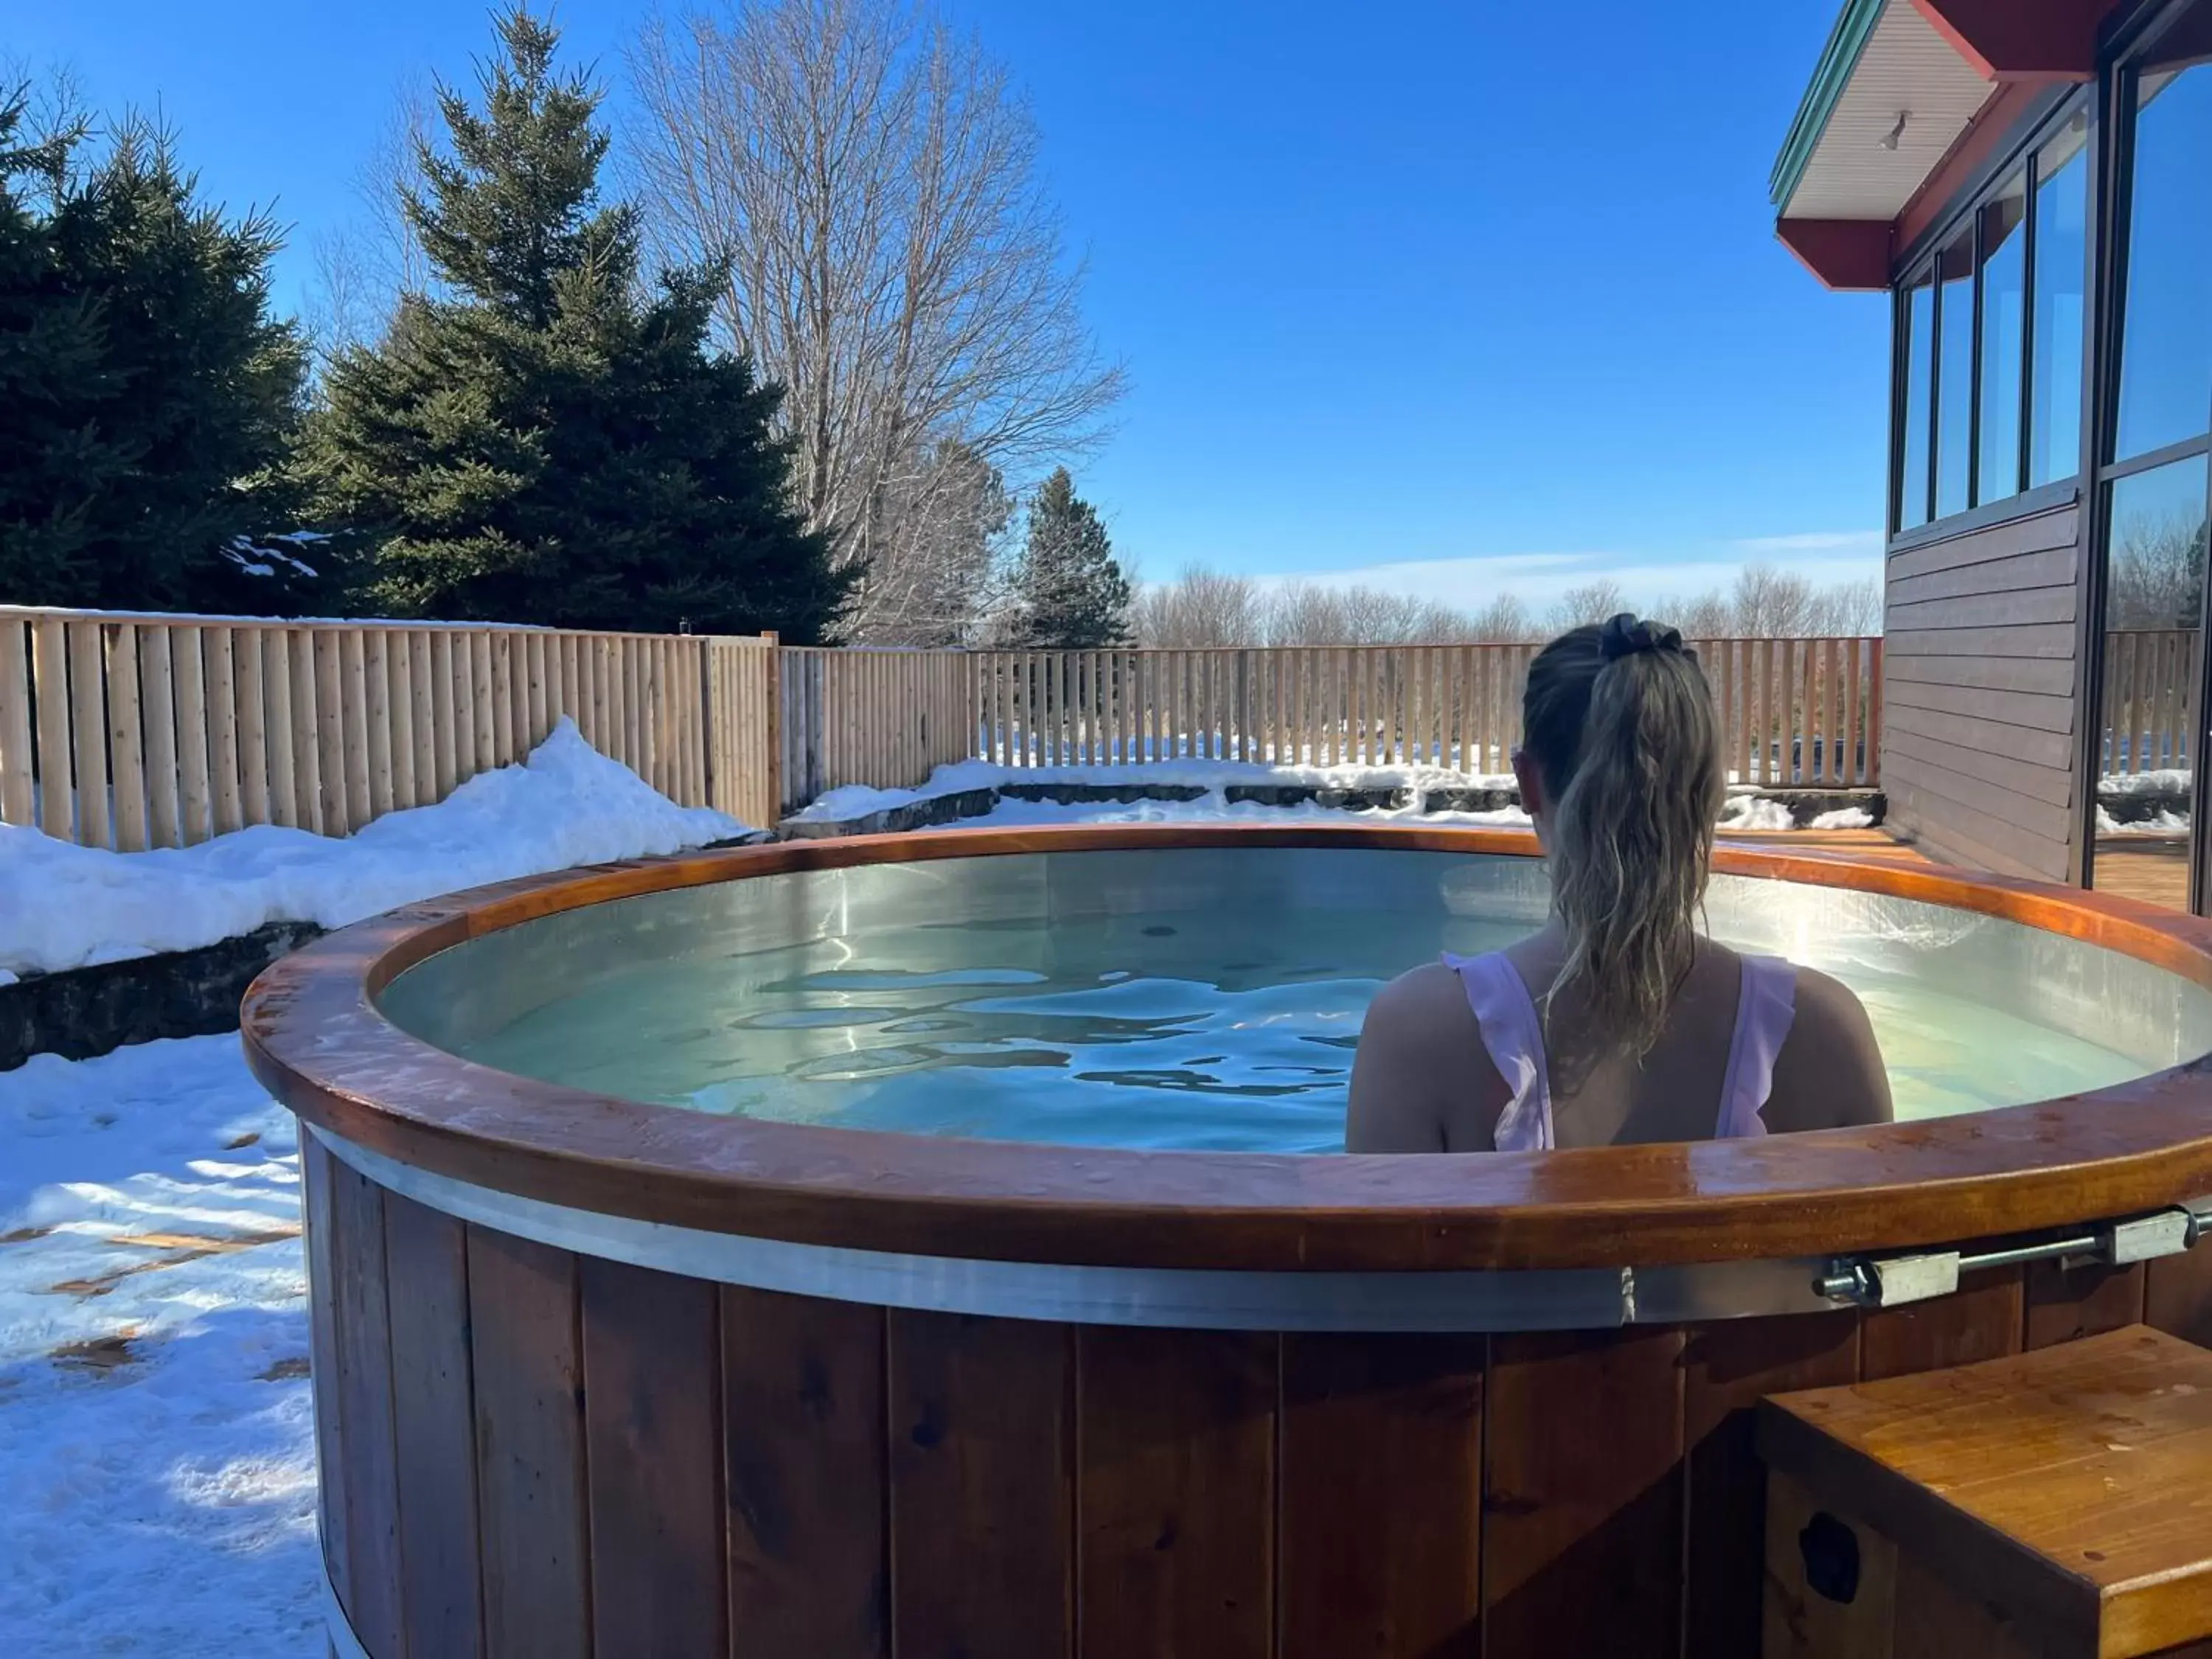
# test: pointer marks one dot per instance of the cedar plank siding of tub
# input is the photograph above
(1978, 695)
(529, 1451)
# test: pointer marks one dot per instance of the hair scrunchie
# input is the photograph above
(1623, 635)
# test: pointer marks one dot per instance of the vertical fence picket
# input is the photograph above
(445, 715)
(301, 722)
(125, 743)
(88, 670)
(219, 653)
(194, 816)
(157, 714)
(277, 727)
(56, 779)
(485, 713)
(502, 697)
(19, 795)
(399, 697)
(353, 715)
(377, 707)
(525, 692)
(328, 672)
(1809, 717)
(247, 660)
(543, 667)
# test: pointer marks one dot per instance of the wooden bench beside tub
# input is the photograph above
(595, 1377)
(2050, 1505)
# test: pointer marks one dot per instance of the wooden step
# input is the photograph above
(2048, 1505)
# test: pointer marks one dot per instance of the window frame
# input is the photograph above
(1921, 266)
(2113, 146)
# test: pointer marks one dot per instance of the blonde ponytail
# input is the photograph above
(1634, 781)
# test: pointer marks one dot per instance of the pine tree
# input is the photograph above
(541, 442)
(148, 398)
(1069, 592)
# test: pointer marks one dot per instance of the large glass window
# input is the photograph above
(2148, 719)
(2004, 335)
(1916, 319)
(1991, 341)
(2062, 254)
(2165, 348)
(2154, 545)
(1954, 373)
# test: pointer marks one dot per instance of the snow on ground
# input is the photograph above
(1213, 808)
(858, 800)
(2164, 781)
(68, 906)
(155, 1430)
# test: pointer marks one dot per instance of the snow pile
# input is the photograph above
(1845, 818)
(155, 1423)
(858, 800)
(1214, 808)
(68, 906)
(1750, 813)
(2164, 781)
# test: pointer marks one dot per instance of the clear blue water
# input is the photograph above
(1221, 1031)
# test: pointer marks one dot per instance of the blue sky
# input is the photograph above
(1440, 292)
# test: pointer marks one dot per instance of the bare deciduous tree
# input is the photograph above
(1591, 602)
(362, 268)
(1845, 608)
(1770, 603)
(1504, 620)
(951, 515)
(1207, 608)
(2158, 573)
(1203, 608)
(1709, 616)
(893, 260)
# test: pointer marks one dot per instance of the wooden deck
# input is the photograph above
(2138, 867)
(1860, 844)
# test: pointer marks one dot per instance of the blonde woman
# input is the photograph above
(1617, 1022)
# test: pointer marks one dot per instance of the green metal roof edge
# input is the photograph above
(1837, 59)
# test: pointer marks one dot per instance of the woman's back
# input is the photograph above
(1428, 1076)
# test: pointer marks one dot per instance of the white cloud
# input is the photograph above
(1818, 541)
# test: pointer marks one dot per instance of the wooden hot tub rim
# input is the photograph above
(314, 1037)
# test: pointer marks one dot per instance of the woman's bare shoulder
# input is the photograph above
(1414, 1052)
(1830, 1072)
(1417, 997)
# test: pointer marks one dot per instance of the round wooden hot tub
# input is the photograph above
(594, 1377)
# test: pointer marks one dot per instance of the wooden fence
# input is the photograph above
(132, 732)
(1795, 712)
(135, 731)
(885, 718)
(2149, 701)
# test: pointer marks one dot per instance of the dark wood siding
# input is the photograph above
(1979, 714)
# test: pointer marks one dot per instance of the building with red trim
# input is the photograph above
(2031, 181)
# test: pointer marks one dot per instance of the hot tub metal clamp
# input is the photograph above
(1884, 1281)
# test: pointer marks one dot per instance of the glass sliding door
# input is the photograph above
(2155, 482)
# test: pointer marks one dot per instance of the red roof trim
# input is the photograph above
(1843, 253)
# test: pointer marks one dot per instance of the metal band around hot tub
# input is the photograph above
(345, 1640)
(1192, 1298)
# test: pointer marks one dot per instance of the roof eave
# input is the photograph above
(1854, 28)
